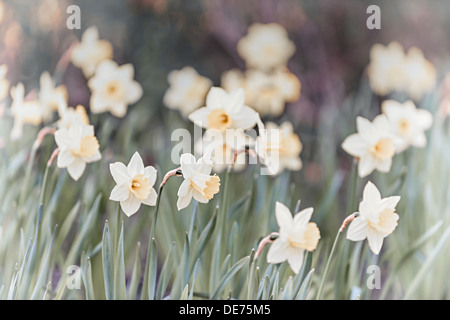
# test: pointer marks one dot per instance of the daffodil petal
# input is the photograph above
(184, 189)
(389, 202)
(355, 145)
(245, 118)
(302, 218)
(136, 165)
(76, 168)
(119, 172)
(357, 230)
(188, 165)
(119, 193)
(130, 206)
(151, 199)
(184, 201)
(366, 165)
(283, 216)
(295, 259)
(371, 194)
(200, 117)
(215, 98)
(375, 239)
(150, 174)
(235, 101)
(65, 158)
(278, 252)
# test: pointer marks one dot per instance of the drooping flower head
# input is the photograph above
(198, 182)
(296, 235)
(408, 123)
(187, 90)
(113, 88)
(77, 146)
(87, 54)
(373, 145)
(225, 111)
(134, 184)
(376, 220)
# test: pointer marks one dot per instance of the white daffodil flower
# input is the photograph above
(77, 146)
(269, 93)
(386, 70)
(225, 111)
(374, 145)
(187, 90)
(49, 95)
(113, 88)
(268, 146)
(266, 46)
(134, 184)
(376, 220)
(87, 54)
(23, 112)
(198, 182)
(290, 146)
(420, 74)
(408, 123)
(296, 235)
(223, 146)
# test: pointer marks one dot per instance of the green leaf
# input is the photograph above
(227, 277)
(136, 275)
(120, 291)
(86, 274)
(306, 284)
(166, 272)
(108, 266)
(184, 294)
(427, 266)
(43, 274)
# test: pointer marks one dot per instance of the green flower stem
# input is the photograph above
(351, 201)
(327, 267)
(145, 293)
(27, 175)
(44, 185)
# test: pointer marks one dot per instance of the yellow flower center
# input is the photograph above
(114, 90)
(307, 240)
(87, 148)
(211, 188)
(140, 187)
(386, 222)
(269, 50)
(404, 126)
(219, 119)
(383, 149)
